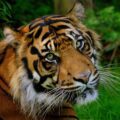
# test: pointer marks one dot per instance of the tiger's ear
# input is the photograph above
(77, 12)
(10, 34)
(13, 37)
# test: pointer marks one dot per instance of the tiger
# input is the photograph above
(50, 64)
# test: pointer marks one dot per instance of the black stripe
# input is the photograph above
(43, 78)
(61, 20)
(5, 92)
(38, 32)
(57, 28)
(1, 78)
(95, 72)
(32, 27)
(30, 35)
(6, 86)
(25, 61)
(2, 56)
(35, 51)
(38, 88)
(80, 80)
(45, 23)
(49, 22)
(45, 35)
(96, 78)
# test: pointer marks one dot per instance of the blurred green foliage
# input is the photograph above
(28, 10)
(24, 11)
(5, 11)
(15, 13)
(106, 22)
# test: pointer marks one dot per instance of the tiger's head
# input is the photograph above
(56, 59)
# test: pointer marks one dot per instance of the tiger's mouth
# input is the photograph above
(74, 95)
(45, 99)
(81, 97)
(87, 95)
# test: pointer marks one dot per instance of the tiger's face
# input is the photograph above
(59, 62)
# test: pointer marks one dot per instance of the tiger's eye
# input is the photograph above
(50, 56)
(78, 43)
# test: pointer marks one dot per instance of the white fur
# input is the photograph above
(89, 98)
(36, 77)
(9, 34)
(33, 103)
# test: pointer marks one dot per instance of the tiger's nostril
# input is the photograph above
(83, 77)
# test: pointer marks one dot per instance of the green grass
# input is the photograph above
(107, 107)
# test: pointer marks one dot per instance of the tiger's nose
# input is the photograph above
(82, 77)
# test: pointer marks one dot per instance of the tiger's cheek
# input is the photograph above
(42, 71)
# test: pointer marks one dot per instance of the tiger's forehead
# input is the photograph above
(53, 24)
(49, 28)
(52, 32)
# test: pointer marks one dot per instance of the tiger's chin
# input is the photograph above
(42, 103)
